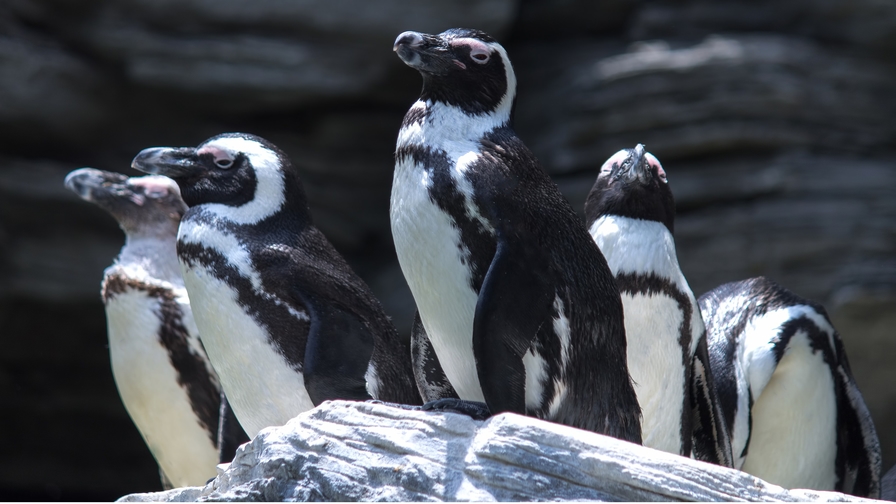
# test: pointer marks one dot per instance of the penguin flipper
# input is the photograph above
(230, 433)
(711, 441)
(514, 302)
(431, 380)
(856, 436)
(337, 355)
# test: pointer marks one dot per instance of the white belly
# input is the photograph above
(793, 441)
(652, 328)
(426, 244)
(148, 386)
(261, 386)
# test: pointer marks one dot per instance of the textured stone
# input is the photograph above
(744, 93)
(867, 23)
(238, 56)
(343, 451)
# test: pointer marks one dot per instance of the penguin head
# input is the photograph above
(632, 183)
(240, 177)
(461, 67)
(142, 205)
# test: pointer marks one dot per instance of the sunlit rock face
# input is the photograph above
(343, 451)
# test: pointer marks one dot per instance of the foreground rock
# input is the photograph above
(344, 451)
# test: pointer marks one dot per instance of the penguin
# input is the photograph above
(286, 322)
(516, 301)
(160, 368)
(630, 214)
(794, 413)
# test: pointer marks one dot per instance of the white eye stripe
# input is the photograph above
(269, 193)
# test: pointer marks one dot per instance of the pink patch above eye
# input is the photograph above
(477, 47)
(655, 163)
(217, 153)
(615, 159)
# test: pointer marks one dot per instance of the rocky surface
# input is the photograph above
(772, 119)
(343, 451)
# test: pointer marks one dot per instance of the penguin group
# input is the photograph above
(229, 312)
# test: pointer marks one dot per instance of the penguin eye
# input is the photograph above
(224, 163)
(480, 52)
(479, 56)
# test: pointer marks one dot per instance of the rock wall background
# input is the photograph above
(774, 121)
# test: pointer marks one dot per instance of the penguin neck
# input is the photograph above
(637, 246)
(287, 214)
(439, 125)
(152, 255)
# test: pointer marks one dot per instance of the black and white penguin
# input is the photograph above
(794, 413)
(160, 369)
(630, 213)
(515, 299)
(286, 322)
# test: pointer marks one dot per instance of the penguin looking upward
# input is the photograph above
(794, 413)
(162, 373)
(516, 301)
(630, 214)
(286, 322)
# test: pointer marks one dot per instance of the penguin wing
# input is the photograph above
(514, 302)
(337, 354)
(711, 441)
(311, 277)
(431, 380)
(856, 437)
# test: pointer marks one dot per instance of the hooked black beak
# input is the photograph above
(635, 167)
(168, 161)
(84, 181)
(427, 53)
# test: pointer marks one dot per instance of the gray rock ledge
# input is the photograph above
(348, 451)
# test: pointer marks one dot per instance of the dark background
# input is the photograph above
(773, 119)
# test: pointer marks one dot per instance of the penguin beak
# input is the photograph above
(635, 168)
(426, 53)
(85, 182)
(169, 161)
